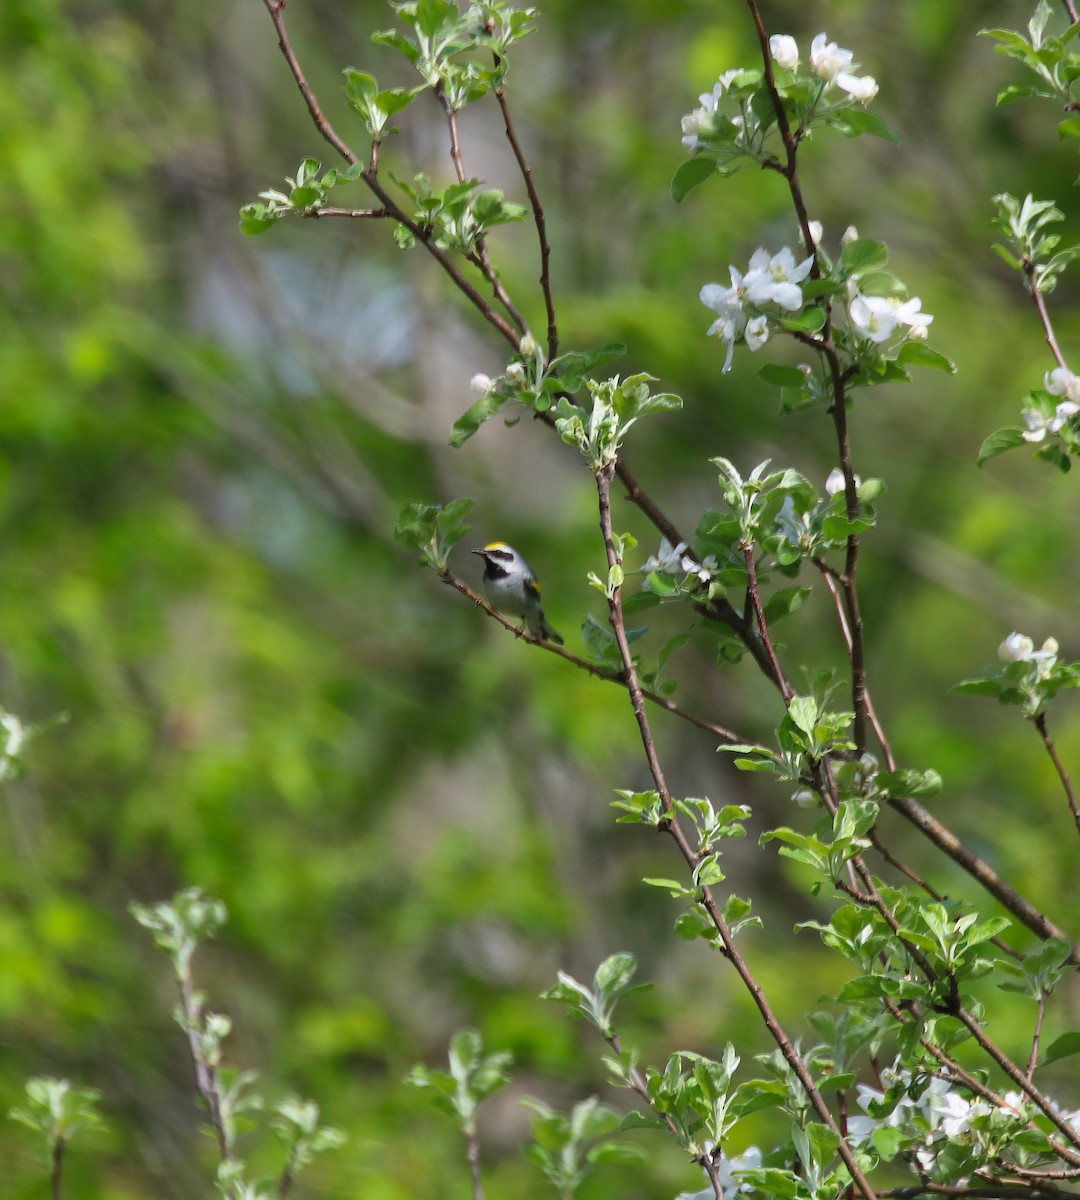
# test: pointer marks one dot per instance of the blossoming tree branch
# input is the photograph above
(907, 1082)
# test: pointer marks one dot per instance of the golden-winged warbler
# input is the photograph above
(513, 589)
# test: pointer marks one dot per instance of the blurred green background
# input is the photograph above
(204, 444)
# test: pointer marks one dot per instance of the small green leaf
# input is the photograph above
(997, 443)
(780, 376)
(1062, 1047)
(689, 175)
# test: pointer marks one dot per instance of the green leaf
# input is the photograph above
(488, 406)
(810, 320)
(917, 784)
(780, 376)
(360, 87)
(853, 122)
(803, 710)
(1062, 1047)
(254, 219)
(689, 175)
(997, 443)
(862, 256)
(916, 353)
(788, 600)
(1069, 128)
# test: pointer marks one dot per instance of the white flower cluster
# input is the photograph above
(942, 1115)
(877, 318)
(1058, 382)
(702, 119)
(1018, 647)
(767, 281)
(674, 560)
(831, 64)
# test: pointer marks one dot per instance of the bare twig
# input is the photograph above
(472, 1150)
(1040, 305)
(1059, 766)
(538, 220)
(608, 676)
(1033, 1057)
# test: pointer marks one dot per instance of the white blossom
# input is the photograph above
(877, 317)
(1062, 382)
(859, 87)
(757, 332)
(481, 384)
(701, 119)
(851, 234)
(785, 51)
(1017, 647)
(827, 60)
(515, 373)
(667, 559)
(776, 279)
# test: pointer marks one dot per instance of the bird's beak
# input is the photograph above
(476, 552)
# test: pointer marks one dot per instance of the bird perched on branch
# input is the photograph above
(513, 589)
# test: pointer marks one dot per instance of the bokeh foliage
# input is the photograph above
(204, 442)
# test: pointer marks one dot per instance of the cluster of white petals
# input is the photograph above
(768, 280)
(1058, 382)
(701, 119)
(1018, 647)
(833, 65)
(879, 317)
(728, 1172)
(674, 560)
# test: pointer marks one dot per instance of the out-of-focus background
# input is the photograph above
(205, 441)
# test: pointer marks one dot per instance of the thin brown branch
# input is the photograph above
(729, 947)
(276, 10)
(1040, 306)
(538, 220)
(754, 595)
(603, 673)
(1033, 1057)
(1059, 766)
(370, 177)
(56, 1167)
(472, 1151)
(314, 214)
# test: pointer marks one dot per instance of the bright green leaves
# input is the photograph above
(617, 405)
(57, 1112)
(306, 192)
(473, 1076)
(567, 1148)
(433, 529)
(1030, 248)
(376, 106)
(1055, 66)
(611, 983)
(448, 47)
(1040, 970)
(179, 926)
(457, 217)
(834, 845)
(530, 381)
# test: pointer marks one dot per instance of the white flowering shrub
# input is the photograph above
(900, 1085)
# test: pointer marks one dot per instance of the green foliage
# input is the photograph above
(473, 1076)
(57, 1111)
(434, 530)
(611, 983)
(566, 1149)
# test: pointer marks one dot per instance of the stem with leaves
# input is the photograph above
(729, 948)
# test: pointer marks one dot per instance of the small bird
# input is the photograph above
(513, 589)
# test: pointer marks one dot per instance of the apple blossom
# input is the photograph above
(785, 51)
(1062, 382)
(481, 384)
(859, 87)
(827, 60)
(1017, 647)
